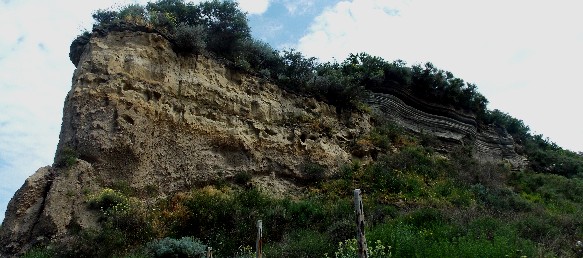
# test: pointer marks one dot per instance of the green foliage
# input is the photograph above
(38, 253)
(349, 248)
(301, 243)
(501, 199)
(190, 38)
(67, 158)
(296, 72)
(338, 89)
(440, 238)
(183, 247)
(226, 23)
(103, 16)
(314, 172)
(242, 178)
(217, 26)
(78, 46)
(133, 12)
(438, 86)
(260, 57)
(107, 199)
(544, 155)
(125, 221)
(180, 11)
(513, 126)
(554, 191)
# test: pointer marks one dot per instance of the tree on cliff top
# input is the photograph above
(225, 25)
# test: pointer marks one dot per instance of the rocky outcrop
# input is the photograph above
(489, 144)
(141, 115)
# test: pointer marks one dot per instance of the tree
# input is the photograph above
(297, 70)
(226, 25)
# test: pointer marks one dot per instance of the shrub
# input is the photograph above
(348, 249)
(133, 13)
(105, 242)
(226, 25)
(67, 158)
(379, 177)
(190, 38)
(301, 243)
(425, 218)
(501, 199)
(260, 56)
(78, 47)
(163, 21)
(183, 247)
(38, 253)
(314, 171)
(296, 72)
(103, 16)
(242, 178)
(333, 87)
(341, 230)
(107, 199)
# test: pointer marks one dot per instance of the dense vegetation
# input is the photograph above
(418, 202)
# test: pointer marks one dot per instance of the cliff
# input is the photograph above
(141, 116)
(453, 128)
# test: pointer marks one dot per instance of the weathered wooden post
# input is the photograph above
(360, 238)
(209, 252)
(259, 244)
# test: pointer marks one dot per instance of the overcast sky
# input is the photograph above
(525, 57)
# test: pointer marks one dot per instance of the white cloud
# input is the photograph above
(523, 55)
(254, 6)
(298, 6)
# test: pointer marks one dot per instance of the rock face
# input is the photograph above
(489, 144)
(142, 116)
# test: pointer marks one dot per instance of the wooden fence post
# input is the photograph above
(259, 244)
(360, 238)
(209, 252)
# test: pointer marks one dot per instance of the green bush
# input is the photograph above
(38, 253)
(107, 199)
(349, 249)
(105, 242)
(301, 243)
(501, 199)
(242, 178)
(103, 16)
(341, 230)
(425, 218)
(183, 247)
(314, 172)
(450, 240)
(190, 38)
(67, 158)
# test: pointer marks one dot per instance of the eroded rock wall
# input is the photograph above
(489, 144)
(140, 114)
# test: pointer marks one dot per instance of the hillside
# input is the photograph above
(169, 146)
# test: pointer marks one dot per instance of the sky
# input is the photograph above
(524, 56)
